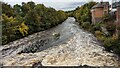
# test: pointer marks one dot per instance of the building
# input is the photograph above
(116, 9)
(99, 11)
(118, 20)
(118, 15)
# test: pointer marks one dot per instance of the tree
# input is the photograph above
(9, 24)
(33, 20)
(5, 8)
(27, 6)
(17, 10)
(83, 14)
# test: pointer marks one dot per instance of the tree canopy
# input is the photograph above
(21, 20)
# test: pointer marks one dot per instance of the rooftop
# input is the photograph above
(100, 5)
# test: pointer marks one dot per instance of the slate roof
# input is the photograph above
(100, 5)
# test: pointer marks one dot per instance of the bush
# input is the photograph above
(99, 33)
(115, 46)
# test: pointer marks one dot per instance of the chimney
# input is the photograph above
(101, 2)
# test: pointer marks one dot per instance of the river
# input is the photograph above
(64, 45)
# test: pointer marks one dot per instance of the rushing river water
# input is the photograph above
(63, 45)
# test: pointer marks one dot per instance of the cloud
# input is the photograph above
(57, 4)
(46, 0)
(63, 5)
(52, 0)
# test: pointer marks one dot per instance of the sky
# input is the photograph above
(65, 5)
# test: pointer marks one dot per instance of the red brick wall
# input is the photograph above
(118, 16)
(98, 13)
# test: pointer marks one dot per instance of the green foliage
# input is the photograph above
(83, 14)
(97, 26)
(116, 46)
(108, 42)
(17, 10)
(7, 9)
(22, 20)
(109, 17)
(33, 21)
(9, 25)
(85, 25)
(4, 39)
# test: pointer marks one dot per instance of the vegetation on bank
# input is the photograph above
(108, 37)
(22, 20)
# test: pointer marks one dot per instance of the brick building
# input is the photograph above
(99, 10)
(118, 19)
(118, 15)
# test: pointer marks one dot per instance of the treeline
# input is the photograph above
(19, 21)
(84, 17)
(83, 14)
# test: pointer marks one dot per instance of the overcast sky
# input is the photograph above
(53, 0)
(57, 4)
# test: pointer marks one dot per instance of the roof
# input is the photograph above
(97, 6)
(100, 5)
